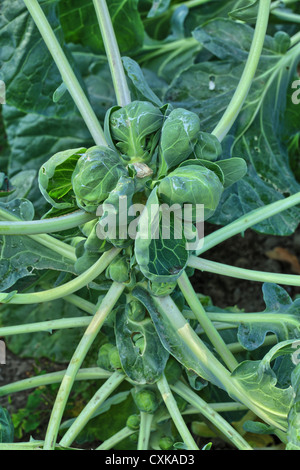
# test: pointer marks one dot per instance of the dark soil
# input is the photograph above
(248, 251)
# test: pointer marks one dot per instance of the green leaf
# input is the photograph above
(282, 319)
(139, 87)
(158, 7)
(57, 346)
(168, 335)
(293, 433)
(234, 169)
(80, 24)
(142, 355)
(259, 382)
(55, 178)
(259, 126)
(6, 427)
(24, 57)
(160, 246)
(247, 11)
(132, 125)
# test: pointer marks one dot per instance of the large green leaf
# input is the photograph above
(259, 382)
(39, 128)
(142, 355)
(6, 426)
(293, 433)
(281, 317)
(161, 256)
(258, 129)
(80, 24)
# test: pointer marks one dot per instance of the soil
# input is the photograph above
(248, 251)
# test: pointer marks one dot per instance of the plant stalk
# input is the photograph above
(241, 273)
(37, 227)
(64, 290)
(187, 394)
(48, 241)
(247, 221)
(145, 430)
(91, 408)
(68, 76)
(113, 54)
(207, 325)
(92, 373)
(248, 74)
(79, 355)
(116, 438)
(175, 414)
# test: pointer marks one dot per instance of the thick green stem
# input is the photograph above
(113, 53)
(48, 241)
(66, 71)
(145, 430)
(295, 39)
(90, 409)
(247, 221)
(47, 326)
(286, 16)
(208, 327)
(92, 373)
(79, 355)
(241, 273)
(81, 303)
(22, 446)
(211, 414)
(175, 414)
(36, 227)
(115, 439)
(244, 85)
(209, 364)
(259, 317)
(66, 289)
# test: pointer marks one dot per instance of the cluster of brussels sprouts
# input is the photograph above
(155, 156)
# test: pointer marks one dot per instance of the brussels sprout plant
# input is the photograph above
(119, 243)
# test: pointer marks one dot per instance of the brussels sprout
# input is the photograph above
(95, 176)
(113, 223)
(146, 400)
(135, 311)
(178, 137)
(131, 126)
(192, 184)
(133, 422)
(173, 371)
(114, 359)
(208, 147)
(166, 443)
(134, 437)
(118, 270)
(103, 360)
